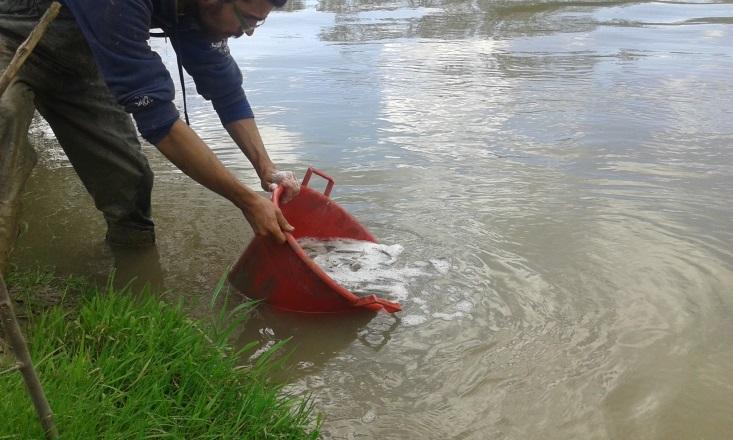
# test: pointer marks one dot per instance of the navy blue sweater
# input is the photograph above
(117, 32)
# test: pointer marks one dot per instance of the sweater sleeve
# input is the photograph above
(215, 73)
(117, 33)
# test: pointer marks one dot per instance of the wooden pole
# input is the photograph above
(25, 49)
(24, 362)
(7, 314)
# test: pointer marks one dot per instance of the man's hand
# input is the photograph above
(267, 219)
(287, 180)
(247, 136)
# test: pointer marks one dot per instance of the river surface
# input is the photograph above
(568, 164)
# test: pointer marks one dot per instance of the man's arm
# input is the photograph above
(189, 153)
(218, 79)
(247, 136)
(117, 33)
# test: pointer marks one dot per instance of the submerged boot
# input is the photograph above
(129, 237)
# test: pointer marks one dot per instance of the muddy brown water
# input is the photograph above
(569, 162)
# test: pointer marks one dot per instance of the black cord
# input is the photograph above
(180, 64)
(183, 85)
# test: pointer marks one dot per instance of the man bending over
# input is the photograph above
(94, 66)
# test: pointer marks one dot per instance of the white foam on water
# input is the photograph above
(363, 267)
(304, 365)
(448, 316)
(412, 320)
(369, 417)
(464, 306)
(367, 268)
(268, 345)
(441, 266)
(419, 301)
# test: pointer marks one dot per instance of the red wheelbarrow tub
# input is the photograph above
(284, 276)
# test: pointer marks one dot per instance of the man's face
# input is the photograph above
(222, 20)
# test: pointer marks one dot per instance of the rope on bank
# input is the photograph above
(7, 314)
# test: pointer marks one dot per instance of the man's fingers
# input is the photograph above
(291, 191)
(279, 236)
(275, 233)
(287, 180)
(288, 196)
(266, 219)
(284, 225)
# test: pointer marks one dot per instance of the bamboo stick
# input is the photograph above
(25, 49)
(25, 364)
(7, 314)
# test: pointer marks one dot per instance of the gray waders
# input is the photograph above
(61, 80)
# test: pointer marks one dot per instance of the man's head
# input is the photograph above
(222, 19)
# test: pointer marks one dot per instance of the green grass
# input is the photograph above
(118, 367)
